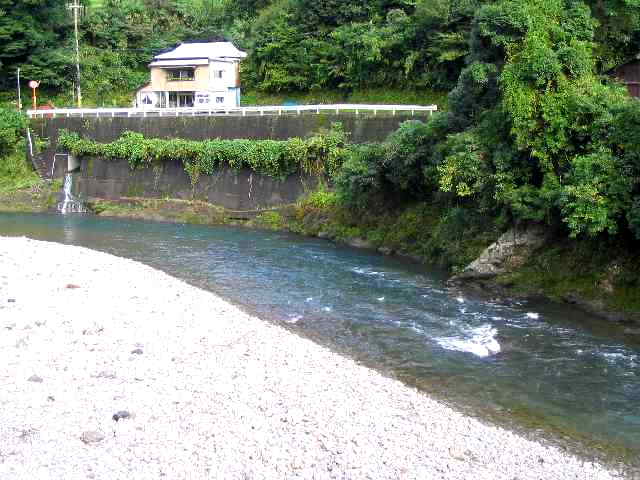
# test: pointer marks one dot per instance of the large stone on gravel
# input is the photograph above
(91, 436)
(120, 415)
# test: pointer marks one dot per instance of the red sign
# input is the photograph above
(34, 84)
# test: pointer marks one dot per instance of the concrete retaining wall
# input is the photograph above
(228, 188)
(236, 190)
(362, 128)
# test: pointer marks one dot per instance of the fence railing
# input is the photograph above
(238, 111)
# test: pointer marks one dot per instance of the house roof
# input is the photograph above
(179, 62)
(211, 50)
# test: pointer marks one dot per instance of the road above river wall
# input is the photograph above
(362, 128)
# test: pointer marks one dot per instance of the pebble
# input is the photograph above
(120, 415)
(35, 378)
(137, 351)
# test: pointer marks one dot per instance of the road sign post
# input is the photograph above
(33, 84)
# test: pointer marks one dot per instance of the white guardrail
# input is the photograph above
(243, 111)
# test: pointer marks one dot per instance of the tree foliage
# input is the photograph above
(12, 125)
(31, 32)
(533, 132)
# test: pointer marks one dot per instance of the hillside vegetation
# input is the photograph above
(295, 45)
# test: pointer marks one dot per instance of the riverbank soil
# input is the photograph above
(151, 377)
(168, 210)
(189, 211)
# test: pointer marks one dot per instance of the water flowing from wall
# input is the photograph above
(70, 204)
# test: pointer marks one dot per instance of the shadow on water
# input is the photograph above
(544, 369)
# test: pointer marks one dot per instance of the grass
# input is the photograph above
(168, 210)
(21, 189)
(16, 173)
(271, 220)
(183, 211)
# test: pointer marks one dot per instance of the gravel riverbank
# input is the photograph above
(110, 369)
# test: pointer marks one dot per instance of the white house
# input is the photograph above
(194, 75)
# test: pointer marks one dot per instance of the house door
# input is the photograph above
(161, 100)
(185, 99)
(181, 99)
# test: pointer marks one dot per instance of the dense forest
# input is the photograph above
(534, 128)
(303, 45)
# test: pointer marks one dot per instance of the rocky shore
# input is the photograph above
(110, 369)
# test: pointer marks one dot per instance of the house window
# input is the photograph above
(178, 74)
(219, 99)
(202, 98)
(219, 73)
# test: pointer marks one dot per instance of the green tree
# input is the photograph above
(30, 33)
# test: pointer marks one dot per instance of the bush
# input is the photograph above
(401, 169)
(359, 182)
(596, 196)
(321, 199)
(12, 125)
(321, 154)
(406, 153)
(463, 171)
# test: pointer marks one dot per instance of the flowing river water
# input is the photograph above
(542, 366)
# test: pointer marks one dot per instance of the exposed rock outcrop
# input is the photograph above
(358, 242)
(509, 252)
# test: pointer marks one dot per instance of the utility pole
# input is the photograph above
(77, 8)
(19, 94)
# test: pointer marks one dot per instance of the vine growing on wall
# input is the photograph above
(321, 154)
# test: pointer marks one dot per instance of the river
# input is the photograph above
(535, 366)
